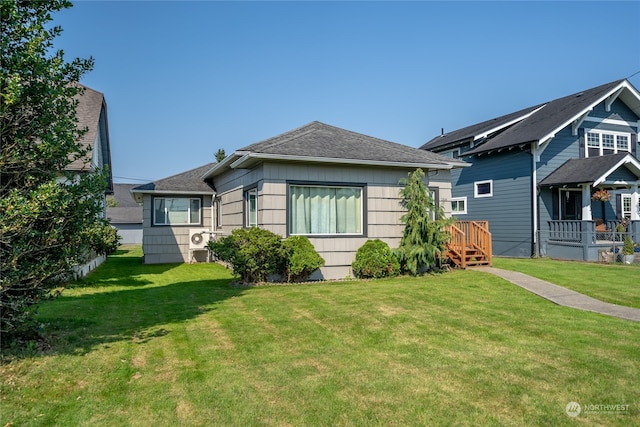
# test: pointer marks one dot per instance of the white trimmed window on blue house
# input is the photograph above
(176, 211)
(459, 205)
(601, 143)
(325, 210)
(483, 188)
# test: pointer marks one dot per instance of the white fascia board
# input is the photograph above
(222, 165)
(504, 125)
(628, 160)
(582, 112)
(262, 156)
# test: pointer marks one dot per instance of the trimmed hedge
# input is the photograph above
(375, 259)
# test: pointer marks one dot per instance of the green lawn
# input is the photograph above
(176, 345)
(614, 283)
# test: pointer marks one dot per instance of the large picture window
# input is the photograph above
(176, 211)
(325, 210)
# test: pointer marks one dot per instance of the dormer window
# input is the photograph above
(601, 143)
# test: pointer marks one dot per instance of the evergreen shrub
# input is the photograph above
(375, 259)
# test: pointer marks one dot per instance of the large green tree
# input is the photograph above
(424, 237)
(48, 216)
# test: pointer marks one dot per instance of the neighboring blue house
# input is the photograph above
(534, 173)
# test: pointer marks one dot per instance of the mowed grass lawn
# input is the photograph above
(176, 345)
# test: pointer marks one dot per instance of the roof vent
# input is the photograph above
(578, 95)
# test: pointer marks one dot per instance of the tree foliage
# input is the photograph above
(220, 155)
(49, 218)
(424, 237)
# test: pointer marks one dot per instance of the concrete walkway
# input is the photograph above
(564, 296)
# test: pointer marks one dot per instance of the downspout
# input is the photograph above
(534, 197)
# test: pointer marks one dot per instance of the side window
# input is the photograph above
(459, 205)
(251, 207)
(483, 188)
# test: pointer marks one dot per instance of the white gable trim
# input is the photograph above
(617, 91)
(628, 161)
(505, 125)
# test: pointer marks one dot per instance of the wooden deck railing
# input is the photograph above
(470, 243)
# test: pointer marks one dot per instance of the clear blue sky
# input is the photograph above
(183, 79)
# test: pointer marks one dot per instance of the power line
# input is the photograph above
(637, 72)
(134, 179)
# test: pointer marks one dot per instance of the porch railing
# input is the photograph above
(586, 232)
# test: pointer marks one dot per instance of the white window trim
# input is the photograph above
(625, 213)
(600, 148)
(475, 188)
(459, 199)
(155, 222)
(247, 193)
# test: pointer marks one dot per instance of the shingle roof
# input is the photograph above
(122, 195)
(580, 171)
(189, 181)
(319, 140)
(90, 104)
(549, 118)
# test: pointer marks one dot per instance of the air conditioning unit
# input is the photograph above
(198, 238)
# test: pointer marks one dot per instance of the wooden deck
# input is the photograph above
(470, 244)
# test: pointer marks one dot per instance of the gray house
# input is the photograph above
(174, 209)
(335, 186)
(125, 214)
(538, 175)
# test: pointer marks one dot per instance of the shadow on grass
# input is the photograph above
(78, 324)
(123, 268)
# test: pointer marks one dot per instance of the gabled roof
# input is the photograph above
(592, 170)
(317, 142)
(189, 182)
(127, 211)
(538, 123)
(91, 106)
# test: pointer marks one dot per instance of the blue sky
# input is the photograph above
(183, 79)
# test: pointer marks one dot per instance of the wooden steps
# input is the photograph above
(470, 244)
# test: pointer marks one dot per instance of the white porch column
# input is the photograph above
(586, 202)
(635, 200)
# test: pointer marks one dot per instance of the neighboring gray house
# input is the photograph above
(173, 209)
(125, 214)
(535, 173)
(335, 186)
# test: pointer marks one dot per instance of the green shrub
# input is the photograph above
(254, 253)
(375, 259)
(102, 238)
(300, 259)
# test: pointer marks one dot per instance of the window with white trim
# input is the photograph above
(176, 211)
(251, 207)
(626, 205)
(483, 188)
(601, 143)
(459, 205)
(325, 210)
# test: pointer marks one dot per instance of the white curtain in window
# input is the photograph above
(326, 210)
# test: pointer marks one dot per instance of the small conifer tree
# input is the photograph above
(425, 236)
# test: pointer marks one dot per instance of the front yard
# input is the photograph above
(176, 345)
